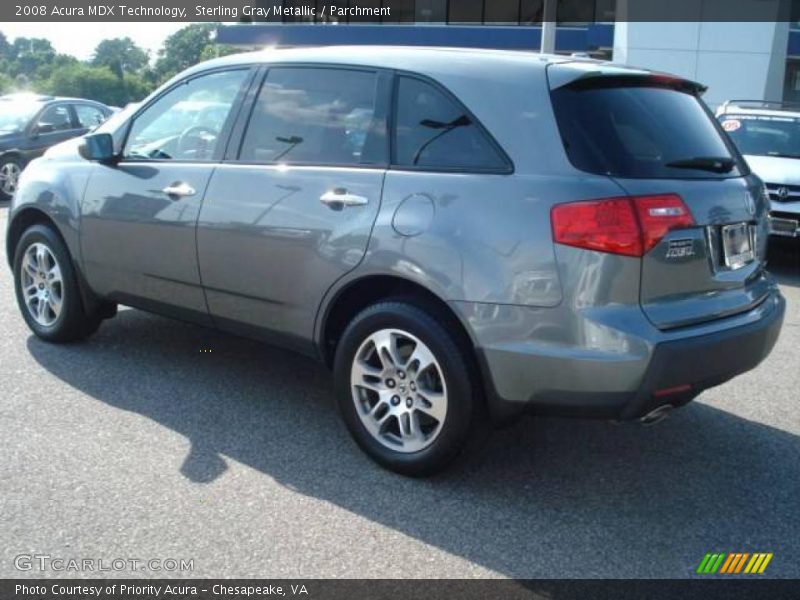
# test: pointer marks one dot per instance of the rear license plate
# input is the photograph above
(737, 245)
(782, 226)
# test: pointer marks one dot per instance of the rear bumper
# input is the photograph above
(638, 369)
(704, 361)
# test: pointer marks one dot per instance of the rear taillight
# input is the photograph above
(628, 226)
(658, 215)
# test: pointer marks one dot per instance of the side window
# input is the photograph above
(315, 116)
(55, 118)
(89, 116)
(433, 131)
(186, 123)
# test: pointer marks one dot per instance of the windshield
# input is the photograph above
(641, 131)
(111, 124)
(764, 135)
(14, 116)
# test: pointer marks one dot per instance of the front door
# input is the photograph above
(55, 124)
(292, 212)
(139, 216)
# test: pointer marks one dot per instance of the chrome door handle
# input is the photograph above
(338, 199)
(179, 190)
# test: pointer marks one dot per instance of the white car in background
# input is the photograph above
(768, 134)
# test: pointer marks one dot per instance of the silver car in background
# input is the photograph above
(462, 236)
(768, 135)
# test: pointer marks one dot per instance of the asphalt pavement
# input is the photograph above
(159, 440)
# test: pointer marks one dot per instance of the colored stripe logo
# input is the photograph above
(734, 563)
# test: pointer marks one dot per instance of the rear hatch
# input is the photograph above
(701, 214)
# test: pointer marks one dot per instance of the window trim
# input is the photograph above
(224, 133)
(72, 118)
(383, 84)
(102, 110)
(509, 168)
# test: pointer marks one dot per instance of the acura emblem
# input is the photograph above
(783, 193)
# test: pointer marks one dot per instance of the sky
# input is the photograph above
(80, 39)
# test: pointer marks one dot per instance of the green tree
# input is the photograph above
(5, 47)
(6, 84)
(45, 69)
(212, 50)
(85, 81)
(121, 55)
(30, 54)
(97, 83)
(183, 49)
(22, 83)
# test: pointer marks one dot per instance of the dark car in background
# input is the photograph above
(30, 124)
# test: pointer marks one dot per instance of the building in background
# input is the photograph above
(748, 60)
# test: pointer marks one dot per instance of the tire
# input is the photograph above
(40, 259)
(368, 385)
(10, 170)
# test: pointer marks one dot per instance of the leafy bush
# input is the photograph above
(119, 71)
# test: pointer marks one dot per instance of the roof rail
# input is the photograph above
(766, 104)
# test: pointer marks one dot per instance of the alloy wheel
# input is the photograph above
(399, 390)
(42, 284)
(9, 177)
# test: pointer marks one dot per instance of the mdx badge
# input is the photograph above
(680, 249)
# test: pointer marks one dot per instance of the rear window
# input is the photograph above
(637, 131)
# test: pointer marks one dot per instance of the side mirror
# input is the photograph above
(43, 128)
(98, 147)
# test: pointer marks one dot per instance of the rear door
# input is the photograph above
(654, 138)
(292, 208)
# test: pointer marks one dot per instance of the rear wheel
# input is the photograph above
(47, 288)
(405, 388)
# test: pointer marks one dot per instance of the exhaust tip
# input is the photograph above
(659, 414)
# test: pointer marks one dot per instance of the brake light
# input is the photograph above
(658, 215)
(627, 226)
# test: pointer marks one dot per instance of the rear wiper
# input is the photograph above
(715, 164)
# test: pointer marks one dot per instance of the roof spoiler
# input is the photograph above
(567, 73)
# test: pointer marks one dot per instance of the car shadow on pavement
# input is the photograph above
(607, 500)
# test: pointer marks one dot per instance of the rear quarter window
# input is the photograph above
(433, 131)
(637, 131)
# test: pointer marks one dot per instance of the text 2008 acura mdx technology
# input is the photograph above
(458, 234)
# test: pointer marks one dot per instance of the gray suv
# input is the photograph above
(462, 236)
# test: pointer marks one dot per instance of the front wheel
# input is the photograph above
(47, 288)
(10, 170)
(405, 388)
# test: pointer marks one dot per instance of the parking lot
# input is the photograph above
(157, 439)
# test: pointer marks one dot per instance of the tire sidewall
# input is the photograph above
(71, 311)
(461, 391)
